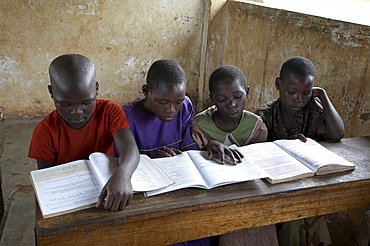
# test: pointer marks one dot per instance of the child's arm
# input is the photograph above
(334, 127)
(198, 135)
(259, 133)
(44, 164)
(118, 190)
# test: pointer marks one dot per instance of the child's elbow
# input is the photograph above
(336, 136)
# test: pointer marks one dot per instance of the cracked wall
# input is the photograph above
(123, 38)
(258, 40)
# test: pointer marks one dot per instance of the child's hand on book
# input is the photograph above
(215, 147)
(299, 136)
(117, 192)
(167, 152)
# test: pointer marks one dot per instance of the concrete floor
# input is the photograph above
(20, 201)
(17, 189)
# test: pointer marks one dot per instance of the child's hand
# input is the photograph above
(300, 136)
(215, 147)
(198, 135)
(318, 92)
(167, 152)
(117, 192)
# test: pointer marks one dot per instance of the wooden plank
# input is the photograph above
(215, 219)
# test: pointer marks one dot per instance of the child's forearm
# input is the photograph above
(128, 161)
(334, 127)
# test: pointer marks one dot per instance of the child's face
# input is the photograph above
(229, 96)
(75, 106)
(295, 92)
(166, 100)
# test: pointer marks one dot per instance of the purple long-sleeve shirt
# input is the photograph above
(151, 133)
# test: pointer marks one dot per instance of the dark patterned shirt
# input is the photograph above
(309, 122)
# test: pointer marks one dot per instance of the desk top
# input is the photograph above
(259, 202)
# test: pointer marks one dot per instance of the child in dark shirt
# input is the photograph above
(300, 108)
(301, 111)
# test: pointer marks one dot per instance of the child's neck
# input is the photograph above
(142, 104)
(225, 124)
(289, 120)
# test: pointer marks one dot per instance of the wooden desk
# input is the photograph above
(195, 213)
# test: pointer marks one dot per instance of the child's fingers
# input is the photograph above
(221, 154)
(162, 153)
(238, 156)
(231, 155)
(302, 137)
(239, 153)
(177, 151)
(210, 155)
(171, 151)
(101, 198)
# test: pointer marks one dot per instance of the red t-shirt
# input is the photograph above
(52, 140)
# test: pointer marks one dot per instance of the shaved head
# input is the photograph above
(71, 72)
(73, 88)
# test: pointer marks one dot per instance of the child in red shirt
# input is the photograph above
(82, 124)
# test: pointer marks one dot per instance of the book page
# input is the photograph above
(181, 169)
(315, 156)
(275, 162)
(147, 176)
(65, 187)
(216, 174)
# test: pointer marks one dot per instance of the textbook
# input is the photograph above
(278, 161)
(77, 185)
(288, 159)
(192, 168)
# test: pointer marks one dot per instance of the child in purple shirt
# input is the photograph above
(160, 122)
(153, 135)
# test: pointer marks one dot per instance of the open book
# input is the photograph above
(278, 161)
(77, 185)
(286, 160)
(193, 169)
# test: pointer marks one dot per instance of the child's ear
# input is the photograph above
(97, 87)
(247, 91)
(145, 89)
(278, 83)
(50, 91)
(210, 96)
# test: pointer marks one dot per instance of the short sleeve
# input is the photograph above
(187, 117)
(117, 118)
(42, 146)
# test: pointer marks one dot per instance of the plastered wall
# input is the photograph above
(259, 39)
(124, 37)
